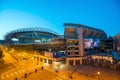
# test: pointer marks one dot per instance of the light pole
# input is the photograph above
(57, 66)
(70, 74)
(98, 75)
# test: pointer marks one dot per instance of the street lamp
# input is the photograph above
(57, 66)
(98, 75)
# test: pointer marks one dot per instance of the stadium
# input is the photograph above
(77, 42)
(30, 35)
(35, 38)
(81, 41)
(84, 39)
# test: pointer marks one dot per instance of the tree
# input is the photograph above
(1, 56)
(1, 53)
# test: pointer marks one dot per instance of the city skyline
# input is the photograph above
(53, 14)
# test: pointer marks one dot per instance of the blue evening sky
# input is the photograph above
(51, 14)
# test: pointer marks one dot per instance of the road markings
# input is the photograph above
(2, 77)
(22, 70)
(25, 69)
(19, 71)
(59, 78)
(63, 76)
(11, 74)
(32, 67)
(29, 68)
(15, 72)
(7, 75)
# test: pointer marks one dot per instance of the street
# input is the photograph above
(29, 70)
(31, 74)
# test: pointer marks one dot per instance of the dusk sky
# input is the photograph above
(52, 14)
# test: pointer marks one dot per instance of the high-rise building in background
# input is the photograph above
(117, 42)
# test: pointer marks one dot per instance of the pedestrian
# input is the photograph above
(35, 70)
(42, 67)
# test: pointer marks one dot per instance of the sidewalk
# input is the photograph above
(90, 73)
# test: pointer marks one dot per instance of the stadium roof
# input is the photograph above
(71, 25)
(31, 29)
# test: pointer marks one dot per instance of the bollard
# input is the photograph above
(30, 73)
(35, 70)
(25, 75)
(16, 78)
(70, 77)
(42, 67)
(56, 71)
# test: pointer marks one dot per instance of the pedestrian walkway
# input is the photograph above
(62, 77)
(5, 76)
